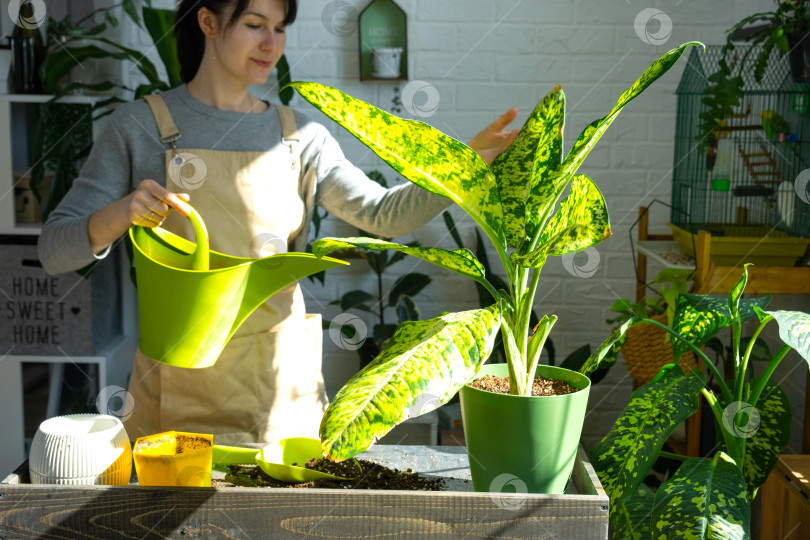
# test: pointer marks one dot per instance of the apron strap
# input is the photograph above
(168, 130)
(289, 128)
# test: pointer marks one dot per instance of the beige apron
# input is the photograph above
(267, 384)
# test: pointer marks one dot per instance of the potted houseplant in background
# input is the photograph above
(513, 202)
(783, 31)
(707, 497)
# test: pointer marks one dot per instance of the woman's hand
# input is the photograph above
(147, 206)
(494, 139)
(150, 203)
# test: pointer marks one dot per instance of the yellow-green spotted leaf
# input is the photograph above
(794, 330)
(545, 189)
(703, 500)
(422, 154)
(608, 352)
(460, 261)
(623, 458)
(771, 434)
(698, 318)
(580, 222)
(537, 150)
(631, 519)
(423, 366)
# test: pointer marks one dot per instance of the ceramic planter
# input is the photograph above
(528, 443)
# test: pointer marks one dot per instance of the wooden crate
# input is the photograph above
(786, 499)
(40, 511)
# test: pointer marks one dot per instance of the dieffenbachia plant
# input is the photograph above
(513, 202)
(706, 498)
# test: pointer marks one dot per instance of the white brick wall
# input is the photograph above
(484, 56)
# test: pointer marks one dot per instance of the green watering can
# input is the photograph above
(192, 300)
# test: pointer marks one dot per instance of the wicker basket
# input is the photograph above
(646, 352)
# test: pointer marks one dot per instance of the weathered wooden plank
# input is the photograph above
(97, 512)
(136, 512)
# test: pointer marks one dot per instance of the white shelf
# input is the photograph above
(658, 250)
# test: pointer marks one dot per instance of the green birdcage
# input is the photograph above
(747, 182)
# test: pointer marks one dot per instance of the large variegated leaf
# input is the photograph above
(623, 458)
(631, 519)
(460, 261)
(546, 189)
(580, 222)
(423, 366)
(537, 150)
(794, 330)
(703, 500)
(770, 438)
(698, 318)
(608, 352)
(422, 154)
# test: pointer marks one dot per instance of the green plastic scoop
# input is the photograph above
(191, 300)
(283, 460)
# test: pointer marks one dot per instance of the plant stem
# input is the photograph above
(744, 366)
(763, 380)
(671, 455)
(731, 444)
(380, 296)
(723, 387)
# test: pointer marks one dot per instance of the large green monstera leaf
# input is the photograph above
(698, 318)
(422, 154)
(703, 500)
(623, 458)
(580, 222)
(631, 519)
(771, 433)
(537, 150)
(546, 188)
(460, 261)
(423, 366)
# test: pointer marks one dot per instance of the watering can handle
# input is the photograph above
(199, 259)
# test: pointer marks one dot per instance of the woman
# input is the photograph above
(256, 171)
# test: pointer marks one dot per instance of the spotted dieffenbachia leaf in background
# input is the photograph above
(794, 330)
(422, 154)
(771, 436)
(423, 366)
(623, 458)
(608, 352)
(536, 151)
(580, 222)
(698, 318)
(546, 189)
(460, 261)
(703, 500)
(631, 519)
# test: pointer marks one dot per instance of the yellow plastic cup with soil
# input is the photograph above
(191, 300)
(174, 458)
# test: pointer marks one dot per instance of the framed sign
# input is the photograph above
(383, 42)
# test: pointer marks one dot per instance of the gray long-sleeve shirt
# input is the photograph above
(128, 150)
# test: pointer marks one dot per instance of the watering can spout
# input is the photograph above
(192, 300)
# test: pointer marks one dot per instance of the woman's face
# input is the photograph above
(249, 49)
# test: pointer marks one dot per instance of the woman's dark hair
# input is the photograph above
(189, 36)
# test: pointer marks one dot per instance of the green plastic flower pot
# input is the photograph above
(523, 444)
(191, 300)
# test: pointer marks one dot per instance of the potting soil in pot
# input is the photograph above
(540, 387)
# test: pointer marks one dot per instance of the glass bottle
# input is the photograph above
(27, 52)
